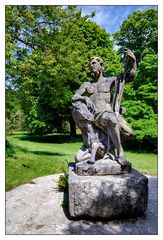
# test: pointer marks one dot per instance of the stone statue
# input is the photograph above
(98, 113)
(102, 184)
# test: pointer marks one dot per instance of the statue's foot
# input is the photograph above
(109, 156)
(122, 160)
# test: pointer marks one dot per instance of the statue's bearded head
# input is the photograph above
(96, 66)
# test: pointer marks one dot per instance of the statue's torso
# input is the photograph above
(99, 93)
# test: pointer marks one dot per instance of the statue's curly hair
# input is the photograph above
(99, 60)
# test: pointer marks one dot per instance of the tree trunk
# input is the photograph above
(72, 127)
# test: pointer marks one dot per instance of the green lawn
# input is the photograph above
(30, 157)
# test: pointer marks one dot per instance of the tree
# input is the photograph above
(138, 32)
(15, 117)
(80, 41)
(54, 62)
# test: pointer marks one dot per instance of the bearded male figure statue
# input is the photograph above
(98, 113)
(102, 184)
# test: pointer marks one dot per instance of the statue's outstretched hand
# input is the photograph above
(129, 55)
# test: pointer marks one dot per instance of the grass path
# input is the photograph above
(30, 157)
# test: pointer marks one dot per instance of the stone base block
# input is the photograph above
(107, 197)
(101, 167)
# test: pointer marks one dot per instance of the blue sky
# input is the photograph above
(111, 17)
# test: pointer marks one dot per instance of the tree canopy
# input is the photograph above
(139, 33)
(47, 53)
(48, 50)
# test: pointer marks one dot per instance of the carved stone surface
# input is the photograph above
(99, 115)
(102, 184)
(107, 197)
(101, 167)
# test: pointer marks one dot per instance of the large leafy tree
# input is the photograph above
(139, 33)
(48, 49)
(140, 100)
(15, 117)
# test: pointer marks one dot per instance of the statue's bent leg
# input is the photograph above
(94, 148)
(126, 130)
(83, 154)
(109, 120)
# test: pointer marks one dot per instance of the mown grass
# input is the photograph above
(28, 157)
(144, 162)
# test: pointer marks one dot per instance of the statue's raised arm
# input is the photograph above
(130, 68)
(130, 65)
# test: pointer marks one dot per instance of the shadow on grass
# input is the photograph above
(138, 151)
(53, 138)
(25, 150)
(48, 153)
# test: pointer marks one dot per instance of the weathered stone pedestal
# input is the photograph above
(101, 168)
(108, 196)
